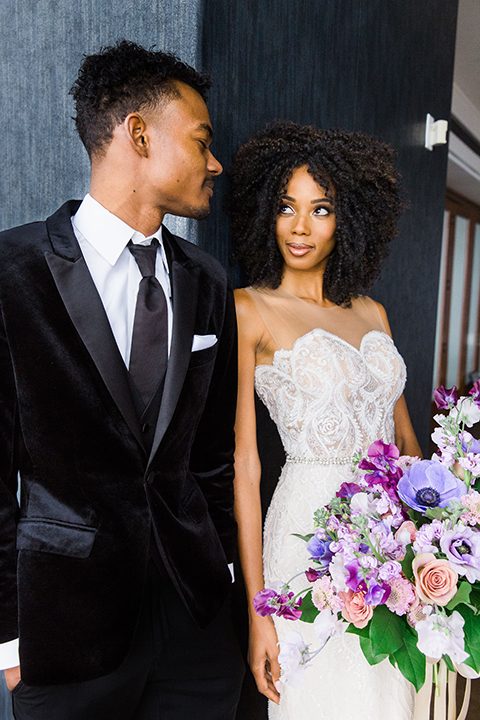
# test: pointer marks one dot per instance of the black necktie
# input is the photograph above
(149, 351)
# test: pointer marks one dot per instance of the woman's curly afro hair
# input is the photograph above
(367, 204)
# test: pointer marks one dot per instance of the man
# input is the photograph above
(118, 382)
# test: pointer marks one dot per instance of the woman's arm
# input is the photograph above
(263, 650)
(405, 438)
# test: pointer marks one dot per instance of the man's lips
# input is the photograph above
(299, 249)
(209, 185)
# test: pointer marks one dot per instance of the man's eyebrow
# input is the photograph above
(207, 128)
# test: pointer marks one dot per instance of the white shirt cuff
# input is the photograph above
(9, 656)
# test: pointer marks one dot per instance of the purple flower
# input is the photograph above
(270, 602)
(320, 550)
(377, 594)
(429, 484)
(312, 574)
(290, 611)
(469, 444)
(462, 548)
(445, 399)
(475, 393)
(355, 580)
(265, 602)
(348, 490)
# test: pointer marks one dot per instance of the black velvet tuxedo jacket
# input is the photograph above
(90, 493)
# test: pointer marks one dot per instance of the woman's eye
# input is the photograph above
(321, 210)
(285, 210)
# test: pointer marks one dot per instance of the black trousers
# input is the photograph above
(174, 671)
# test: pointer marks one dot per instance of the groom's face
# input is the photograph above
(181, 169)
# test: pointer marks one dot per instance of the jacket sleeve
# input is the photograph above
(8, 493)
(211, 460)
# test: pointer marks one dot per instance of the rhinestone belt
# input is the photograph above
(321, 460)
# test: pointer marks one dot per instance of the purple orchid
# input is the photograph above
(381, 468)
(312, 574)
(320, 550)
(270, 602)
(475, 393)
(462, 548)
(355, 580)
(265, 602)
(445, 399)
(428, 484)
(348, 490)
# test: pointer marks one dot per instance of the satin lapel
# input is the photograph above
(184, 278)
(82, 301)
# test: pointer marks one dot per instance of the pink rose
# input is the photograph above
(435, 580)
(408, 526)
(355, 610)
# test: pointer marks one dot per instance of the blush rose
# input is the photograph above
(355, 610)
(435, 579)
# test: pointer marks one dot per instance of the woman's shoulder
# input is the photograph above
(372, 309)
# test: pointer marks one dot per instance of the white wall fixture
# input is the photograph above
(435, 132)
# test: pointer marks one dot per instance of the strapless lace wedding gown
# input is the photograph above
(328, 400)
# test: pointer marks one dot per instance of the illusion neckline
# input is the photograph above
(325, 332)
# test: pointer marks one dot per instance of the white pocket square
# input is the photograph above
(202, 342)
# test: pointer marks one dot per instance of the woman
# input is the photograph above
(313, 212)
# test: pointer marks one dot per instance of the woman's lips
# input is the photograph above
(299, 249)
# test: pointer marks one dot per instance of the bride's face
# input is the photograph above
(305, 223)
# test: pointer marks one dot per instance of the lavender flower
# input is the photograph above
(429, 484)
(462, 548)
(320, 550)
(294, 657)
(445, 399)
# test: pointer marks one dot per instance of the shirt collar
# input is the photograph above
(106, 232)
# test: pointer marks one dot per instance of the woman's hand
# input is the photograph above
(263, 656)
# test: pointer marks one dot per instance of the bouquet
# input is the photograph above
(395, 557)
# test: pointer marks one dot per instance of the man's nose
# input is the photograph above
(213, 166)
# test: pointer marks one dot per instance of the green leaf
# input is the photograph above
(462, 595)
(366, 645)
(475, 597)
(309, 611)
(407, 563)
(472, 635)
(435, 513)
(304, 537)
(386, 631)
(363, 632)
(410, 661)
(448, 662)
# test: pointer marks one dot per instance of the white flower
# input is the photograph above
(293, 658)
(337, 572)
(327, 625)
(466, 671)
(363, 503)
(467, 409)
(441, 635)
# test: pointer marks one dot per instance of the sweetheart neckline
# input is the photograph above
(326, 332)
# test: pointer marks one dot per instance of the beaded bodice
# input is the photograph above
(327, 397)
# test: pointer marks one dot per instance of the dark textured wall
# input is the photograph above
(41, 47)
(365, 65)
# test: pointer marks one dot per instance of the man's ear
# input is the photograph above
(136, 129)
